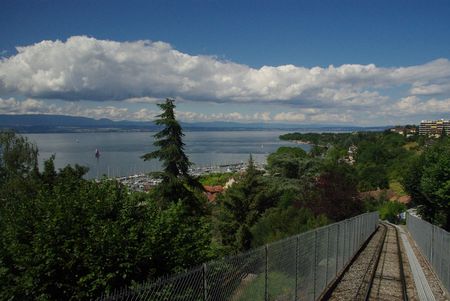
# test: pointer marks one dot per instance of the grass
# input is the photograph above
(279, 285)
(214, 179)
(397, 188)
(412, 146)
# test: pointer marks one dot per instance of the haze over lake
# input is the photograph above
(120, 152)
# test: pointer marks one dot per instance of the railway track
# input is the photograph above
(376, 273)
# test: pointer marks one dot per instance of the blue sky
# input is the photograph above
(352, 62)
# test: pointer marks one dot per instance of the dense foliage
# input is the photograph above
(299, 193)
(382, 160)
(427, 180)
(390, 211)
(380, 157)
(69, 238)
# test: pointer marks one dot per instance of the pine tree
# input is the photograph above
(242, 205)
(177, 184)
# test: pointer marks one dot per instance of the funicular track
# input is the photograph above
(376, 273)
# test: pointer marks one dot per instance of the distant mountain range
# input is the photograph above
(37, 123)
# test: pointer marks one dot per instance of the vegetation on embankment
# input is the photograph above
(417, 166)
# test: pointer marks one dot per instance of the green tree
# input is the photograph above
(278, 223)
(71, 238)
(288, 162)
(177, 184)
(337, 194)
(372, 177)
(18, 157)
(241, 206)
(390, 210)
(427, 180)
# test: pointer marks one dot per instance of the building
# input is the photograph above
(434, 127)
(212, 192)
(408, 130)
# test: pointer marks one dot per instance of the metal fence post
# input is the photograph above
(344, 257)
(441, 254)
(315, 264)
(337, 248)
(266, 280)
(296, 266)
(205, 288)
(328, 255)
(431, 245)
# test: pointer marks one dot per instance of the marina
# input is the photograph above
(145, 181)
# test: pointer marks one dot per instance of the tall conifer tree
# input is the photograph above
(177, 184)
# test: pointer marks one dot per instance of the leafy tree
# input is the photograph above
(18, 157)
(278, 223)
(337, 195)
(18, 167)
(285, 161)
(289, 162)
(371, 153)
(390, 210)
(79, 241)
(177, 184)
(427, 180)
(372, 177)
(335, 154)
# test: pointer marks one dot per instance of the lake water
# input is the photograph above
(120, 152)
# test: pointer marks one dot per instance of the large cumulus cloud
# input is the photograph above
(84, 68)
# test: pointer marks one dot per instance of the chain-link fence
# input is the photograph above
(297, 268)
(434, 243)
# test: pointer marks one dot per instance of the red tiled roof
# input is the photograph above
(406, 199)
(213, 189)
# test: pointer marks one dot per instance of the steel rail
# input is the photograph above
(329, 291)
(377, 256)
(400, 259)
(402, 272)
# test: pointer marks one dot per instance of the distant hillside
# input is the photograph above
(66, 124)
(60, 123)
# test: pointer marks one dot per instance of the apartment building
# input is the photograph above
(434, 127)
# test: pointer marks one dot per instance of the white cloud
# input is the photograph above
(233, 116)
(420, 88)
(413, 105)
(145, 100)
(290, 116)
(143, 71)
(407, 108)
(334, 118)
(33, 106)
(13, 106)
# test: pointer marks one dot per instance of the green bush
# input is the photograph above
(390, 211)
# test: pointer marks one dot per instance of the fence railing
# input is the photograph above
(434, 243)
(296, 268)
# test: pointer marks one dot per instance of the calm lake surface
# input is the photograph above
(120, 152)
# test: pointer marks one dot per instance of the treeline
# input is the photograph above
(379, 158)
(417, 165)
(319, 138)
